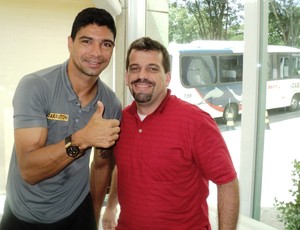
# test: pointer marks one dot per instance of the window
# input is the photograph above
(231, 68)
(198, 71)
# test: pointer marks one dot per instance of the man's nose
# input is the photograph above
(143, 74)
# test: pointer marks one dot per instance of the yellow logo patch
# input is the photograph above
(58, 117)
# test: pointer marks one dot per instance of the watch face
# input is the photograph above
(73, 151)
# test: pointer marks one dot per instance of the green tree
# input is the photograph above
(223, 19)
(182, 25)
(205, 19)
(290, 211)
(284, 19)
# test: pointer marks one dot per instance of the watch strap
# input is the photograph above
(68, 140)
(71, 149)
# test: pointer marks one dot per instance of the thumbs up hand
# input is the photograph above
(100, 132)
(100, 110)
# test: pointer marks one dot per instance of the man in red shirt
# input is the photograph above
(167, 153)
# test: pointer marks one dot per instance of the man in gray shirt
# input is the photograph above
(60, 114)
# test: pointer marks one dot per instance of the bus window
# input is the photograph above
(231, 68)
(198, 71)
(272, 67)
(296, 67)
(284, 67)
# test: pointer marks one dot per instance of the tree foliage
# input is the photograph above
(290, 211)
(204, 19)
(214, 18)
(182, 25)
(223, 20)
(284, 19)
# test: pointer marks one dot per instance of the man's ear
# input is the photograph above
(168, 78)
(70, 43)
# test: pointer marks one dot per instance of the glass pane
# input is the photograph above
(231, 68)
(283, 121)
(221, 94)
(197, 71)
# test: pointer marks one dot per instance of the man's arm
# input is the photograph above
(101, 168)
(228, 205)
(38, 162)
(109, 216)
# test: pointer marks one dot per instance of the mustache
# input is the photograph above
(139, 80)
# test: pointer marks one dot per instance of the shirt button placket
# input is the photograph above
(79, 112)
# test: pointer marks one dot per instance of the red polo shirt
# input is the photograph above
(164, 165)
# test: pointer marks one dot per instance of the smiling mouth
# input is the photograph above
(142, 83)
(93, 64)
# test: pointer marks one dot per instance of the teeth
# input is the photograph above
(93, 62)
(142, 85)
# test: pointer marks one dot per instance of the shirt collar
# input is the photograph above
(71, 95)
(70, 92)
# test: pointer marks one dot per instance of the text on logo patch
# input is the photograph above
(58, 117)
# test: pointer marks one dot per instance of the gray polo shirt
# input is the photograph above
(46, 99)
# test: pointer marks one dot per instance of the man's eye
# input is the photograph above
(153, 69)
(133, 69)
(87, 41)
(107, 45)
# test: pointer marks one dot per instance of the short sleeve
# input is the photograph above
(29, 103)
(211, 153)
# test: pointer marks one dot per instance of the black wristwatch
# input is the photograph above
(71, 149)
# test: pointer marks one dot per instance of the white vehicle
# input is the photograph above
(209, 74)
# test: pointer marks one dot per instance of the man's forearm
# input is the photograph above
(228, 205)
(109, 220)
(99, 181)
(113, 194)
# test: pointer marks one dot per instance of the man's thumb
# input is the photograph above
(100, 108)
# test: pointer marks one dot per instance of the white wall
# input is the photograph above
(33, 36)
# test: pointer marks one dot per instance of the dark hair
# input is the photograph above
(93, 15)
(146, 43)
